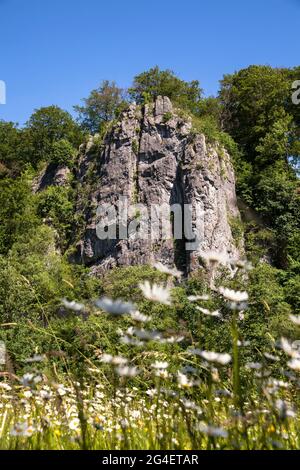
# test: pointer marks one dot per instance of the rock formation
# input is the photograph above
(152, 158)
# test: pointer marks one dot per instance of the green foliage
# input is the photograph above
(56, 204)
(47, 127)
(102, 105)
(155, 82)
(17, 213)
(36, 232)
(135, 147)
(237, 230)
(167, 117)
(9, 148)
(62, 153)
(257, 112)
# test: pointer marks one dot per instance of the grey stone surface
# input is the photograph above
(151, 157)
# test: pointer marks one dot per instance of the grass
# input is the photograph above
(210, 401)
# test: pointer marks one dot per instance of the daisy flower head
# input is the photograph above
(156, 293)
(75, 306)
(165, 270)
(115, 307)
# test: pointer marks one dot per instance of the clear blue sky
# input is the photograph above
(56, 51)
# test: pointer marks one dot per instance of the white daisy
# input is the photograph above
(164, 269)
(74, 424)
(295, 364)
(214, 257)
(211, 356)
(212, 431)
(295, 319)
(287, 347)
(127, 371)
(160, 365)
(115, 360)
(30, 380)
(156, 293)
(115, 307)
(233, 296)
(139, 317)
(75, 306)
(22, 430)
(195, 298)
(207, 312)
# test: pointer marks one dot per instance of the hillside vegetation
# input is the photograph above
(177, 363)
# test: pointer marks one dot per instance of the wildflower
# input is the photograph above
(74, 424)
(295, 319)
(212, 356)
(117, 307)
(115, 360)
(287, 347)
(160, 365)
(284, 410)
(233, 296)
(151, 392)
(279, 383)
(136, 414)
(185, 382)
(215, 374)
(139, 317)
(195, 298)
(213, 258)
(189, 370)
(45, 394)
(215, 314)
(124, 423)
(164, 269)
(254, 365)
(243, 343)
(5, 386)
(162, 373)
(294, 364)
(147, 335)
(30, 380)
(36, 358)
(243, 264)
(76, 307)
(27, 394)
(171, 340)
(22, 430)
(156, 293)
(61, 390)
(130, 341)
(271, 357)
(127, 371)
(212, 431)
(190, 405)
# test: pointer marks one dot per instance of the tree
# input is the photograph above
(46, 127)
(17, 212)
(156, 82)
(253, 100)
(258, 112)
(100, 107)
(10, 141)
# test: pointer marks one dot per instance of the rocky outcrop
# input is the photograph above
(152, 161)
(52, 175)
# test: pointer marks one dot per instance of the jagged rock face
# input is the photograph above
(153, 160)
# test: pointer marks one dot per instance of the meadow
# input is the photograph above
(167, 392)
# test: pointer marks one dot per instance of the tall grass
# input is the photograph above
(118, 403)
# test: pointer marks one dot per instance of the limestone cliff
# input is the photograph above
(152, 158)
